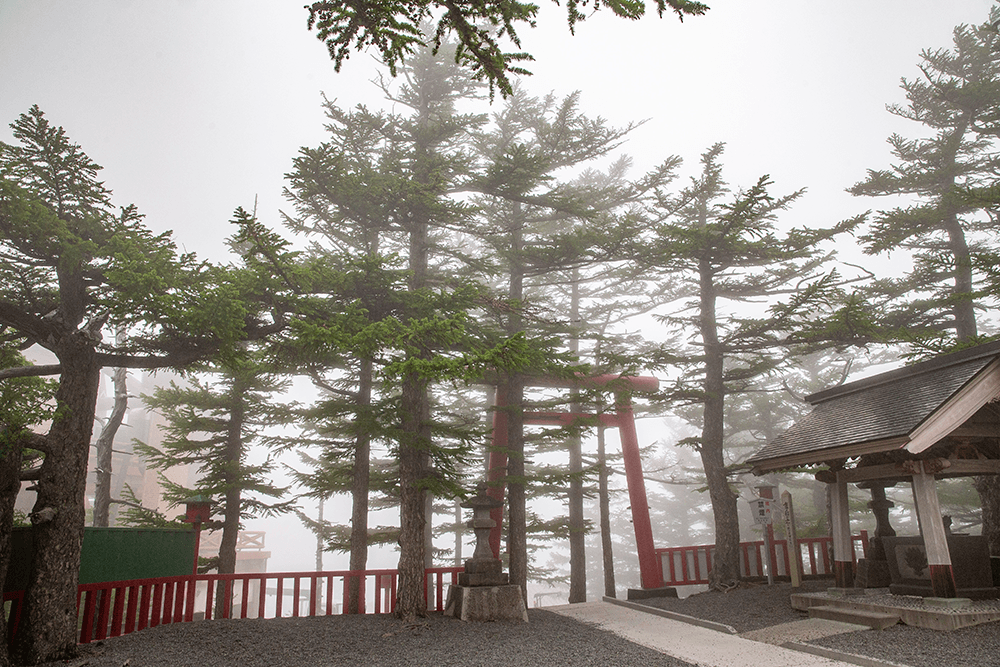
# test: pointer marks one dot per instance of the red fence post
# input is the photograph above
(132, 609)
(245, 598)
(117, 611)
(119, 608)
(262, 595)
(87, 628)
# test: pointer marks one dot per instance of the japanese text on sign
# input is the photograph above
(761, 508)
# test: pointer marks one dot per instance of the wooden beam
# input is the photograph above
(958, 409)
(935, 539)
(976, 431)
(882, 471)
(843, 547)
(974, 467)
(812, 458)
(905, 469)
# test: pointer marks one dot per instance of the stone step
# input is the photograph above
(877, 620)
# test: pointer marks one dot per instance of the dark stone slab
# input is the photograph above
(925, 590)
(872, 573)
(970, 560)
(483, 579)
(646, 593)
(483, 566)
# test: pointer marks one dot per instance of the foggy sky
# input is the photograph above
(196, 107)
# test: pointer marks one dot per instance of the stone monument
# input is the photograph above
(484, 592)
(873, 570)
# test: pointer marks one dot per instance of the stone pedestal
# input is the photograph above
(872, 574)
(486, 603)
(483, 572)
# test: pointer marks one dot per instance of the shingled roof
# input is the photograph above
(882, 412)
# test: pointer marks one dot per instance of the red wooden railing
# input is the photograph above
(689, 566)
(115, 608)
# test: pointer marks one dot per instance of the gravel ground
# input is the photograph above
(372, 641)
(758, 606)
(548, 639)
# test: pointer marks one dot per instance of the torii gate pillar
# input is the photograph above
(650, 571)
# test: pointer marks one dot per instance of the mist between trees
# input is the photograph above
(431, 261)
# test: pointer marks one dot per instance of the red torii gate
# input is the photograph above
(650, 572)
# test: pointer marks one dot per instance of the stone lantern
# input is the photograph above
(482, 569)
(483, 592)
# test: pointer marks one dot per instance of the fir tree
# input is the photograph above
(398, 29)
(947, 224)
(933, 306)
(724, 254)
(540, 231)
(212, 424)
(72, 266)
(377, 201)
(23, 406)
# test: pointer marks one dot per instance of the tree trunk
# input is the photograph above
(988, 487)
(232, 500)
(725, 566)
(360, 487)
(577, 525)
(48, 621)
(10, 484)
(415, 436)
(517, 515)
(458, 532)
(607, 550)
(428, 529)
(413, 460)
(517, 521)
(105, 449)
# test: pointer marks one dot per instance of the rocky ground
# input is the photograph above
(753, 607)
(372, 641)
(548, 639)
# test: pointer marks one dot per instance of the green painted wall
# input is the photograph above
(113, 554)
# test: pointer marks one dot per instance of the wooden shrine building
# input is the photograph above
(915, 425)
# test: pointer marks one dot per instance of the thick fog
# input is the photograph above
(196, 107)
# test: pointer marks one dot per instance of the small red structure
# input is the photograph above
(623, 418)
(199, 510)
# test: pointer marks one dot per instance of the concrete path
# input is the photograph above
(696, 645)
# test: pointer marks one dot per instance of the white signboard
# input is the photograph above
(761, 508)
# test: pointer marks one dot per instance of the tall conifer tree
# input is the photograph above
(73, 265)
(724, 254)
(540, 231)
(947, 229)
(211, 425)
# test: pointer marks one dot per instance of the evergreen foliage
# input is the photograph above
(74, 265)
(947, 223)
(395, 319)
(723, 254)
(400, 29)
(543, 236)
(951, 238)
(211, 424)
